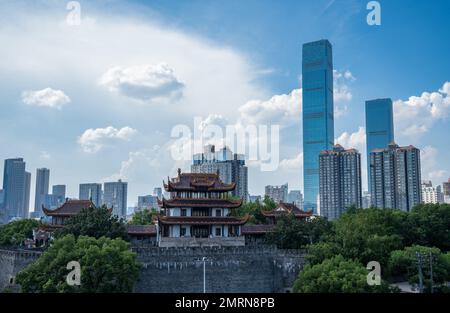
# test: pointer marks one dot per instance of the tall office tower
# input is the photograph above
(157, 192)
(366, 203)
(2, 198)
(296, 197)
(91, 192)
(231, 168)
(277, 193)
(42, 183)
(431, 194)
(59, 191)
(339, 180)
(14, 188)
(379, 127)
(446, 191)
(318, 116)
(115, 197)
(396, 178)
(147, 202)
(26, 210)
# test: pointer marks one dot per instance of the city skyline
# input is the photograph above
(97, 130)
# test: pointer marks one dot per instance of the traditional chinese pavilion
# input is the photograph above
(199, 212)
(285, 209)
(69, 209)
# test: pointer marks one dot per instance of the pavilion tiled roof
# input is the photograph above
(287, 208)
(209, 182)
(202, 220)
(69, 208)
(257, 229)
(149, 230)
(199, 203)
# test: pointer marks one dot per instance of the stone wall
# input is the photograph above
(12, 262)
(228, 269)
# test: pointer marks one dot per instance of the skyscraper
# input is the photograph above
(115, 197)
(14, 188)
(340, 181)
(318, 116)
(277, 193)
(59, 191)
(26, 211)
(432, 194)
(379, 127)
(396, 178)
(91, 192)
(446, 190)
(42, 184)
(231, 168)
(296, 197)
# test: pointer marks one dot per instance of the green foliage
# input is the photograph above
(107, 265)
(14, 233)
(429, 225)
(293, 233)
(336, 275)
(144, 217)
(94, 222)
(404, 264)
(253, 209)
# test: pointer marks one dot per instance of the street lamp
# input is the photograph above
(204, 274)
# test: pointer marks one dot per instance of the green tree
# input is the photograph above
(94, 222)
(14, 233)
(404, 264)
(254, 210)
(428, 225)
(336, 275)
(107, 265)
(293, 233)
(144, 217)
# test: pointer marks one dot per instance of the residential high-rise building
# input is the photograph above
(115, 197)
(26, 211)
(432, 194)
(277, 193)
(91, 191)
(379, 127)
(59, 191)
(296, 197)
(2, 198)
(231, 168)
(157, 191)
(318, 115)
(14, 188)
(446, 191)
(396, 178)
(42, 184)
(340, 181)
(366, 203)
(148, 202)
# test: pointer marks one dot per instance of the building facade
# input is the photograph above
(115, 197)
(340, 181)
(16, 193)
(231, 168)
(432, 194)
(277, 193)
(379, 127)
(318, 114)
(199, 212)
(446, 191)
(59, 191)
(91, 191)
(42, 185)
(296, 197)
(148, 202)
(395, 173)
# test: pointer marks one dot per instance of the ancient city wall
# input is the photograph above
(12, 262)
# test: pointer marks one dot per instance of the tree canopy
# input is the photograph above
(14, 233)
(107, 265)
(144, 217)
(94, 222)
(253, 209)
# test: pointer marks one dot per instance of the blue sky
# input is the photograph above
(228, 60)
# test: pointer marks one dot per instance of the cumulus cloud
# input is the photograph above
(93, 140)
(418, 114)
(46, 97)
(145, 82)
(429, 164)
(292, 164)
(355, 140)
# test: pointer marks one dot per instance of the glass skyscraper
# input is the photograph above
(16, 190)
(379, 127)
(318, 119)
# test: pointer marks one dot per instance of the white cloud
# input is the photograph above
(46, 97)
(292, 164)
(93, 140)
(145, 82)
(418, 114)
(355, 140)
